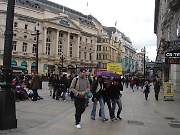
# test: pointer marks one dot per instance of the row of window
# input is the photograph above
(71, 37)
(48, 49)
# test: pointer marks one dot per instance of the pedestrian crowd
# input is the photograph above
(81, 89)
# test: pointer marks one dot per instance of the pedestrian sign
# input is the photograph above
(168, 90)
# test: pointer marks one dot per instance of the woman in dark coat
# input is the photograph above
(64, 85)
(35, 85)
(55, 84)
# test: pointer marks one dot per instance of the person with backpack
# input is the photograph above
(80, 87)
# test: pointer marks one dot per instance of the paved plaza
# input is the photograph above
(139, 117)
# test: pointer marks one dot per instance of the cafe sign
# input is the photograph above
(172, 57)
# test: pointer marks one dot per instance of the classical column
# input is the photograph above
(44, 40)
(57, 40)
(78, 41)
(68, 44)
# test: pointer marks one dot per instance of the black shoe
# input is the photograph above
(114, 119)
(41, 97)
(105, 119)
(92, 118)
(119, 118)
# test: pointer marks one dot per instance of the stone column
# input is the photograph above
(44, 40)
(68, 43)
(56, 44)
(77, 51)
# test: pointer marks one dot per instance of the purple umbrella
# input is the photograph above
(108, 74)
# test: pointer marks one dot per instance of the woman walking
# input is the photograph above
(146, 89)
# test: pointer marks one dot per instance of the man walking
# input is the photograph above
(157, 85)
(80, 87)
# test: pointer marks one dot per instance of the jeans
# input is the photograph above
(118, 101)
(35, 94)
(80, 108)
(126, 84)
(64, 96)
(108, 102)
(93, 112)
(87, 102)
(146, 95)
(132, 86)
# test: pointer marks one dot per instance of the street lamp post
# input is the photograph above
(62, 58)
(144, 62)
(37, 44)
(7, 98)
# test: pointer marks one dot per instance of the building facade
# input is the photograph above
(166, 27)
(63, 32)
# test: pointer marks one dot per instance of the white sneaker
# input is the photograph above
(78, 126)
(64, 100)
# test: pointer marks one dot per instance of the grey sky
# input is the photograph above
(135, 18)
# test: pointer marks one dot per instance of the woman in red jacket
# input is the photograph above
(132, 82)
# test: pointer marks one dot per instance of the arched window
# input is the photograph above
(13, 63)
(59, 47)
(48, 46)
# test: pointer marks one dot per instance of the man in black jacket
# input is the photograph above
(116, 97)
(64, 85)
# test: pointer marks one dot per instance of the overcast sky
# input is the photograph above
(135, 18)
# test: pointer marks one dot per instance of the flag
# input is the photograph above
(142, 49)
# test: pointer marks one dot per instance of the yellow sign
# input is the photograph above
(168, 89)
(114, 67)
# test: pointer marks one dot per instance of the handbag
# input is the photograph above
(89, 94)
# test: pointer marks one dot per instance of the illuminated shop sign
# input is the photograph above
(172, 57)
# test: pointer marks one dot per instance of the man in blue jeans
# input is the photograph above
(97, 88)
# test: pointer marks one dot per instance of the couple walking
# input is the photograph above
(105, 93)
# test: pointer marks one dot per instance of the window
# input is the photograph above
(60, 35)
(14, 35)
(71, 37)
(15, 24)
(90, 56)
(24, 47)
(34, 48)
(59, 47)
(91, 41)
(86, 40)
(14, 44)
(85, 55)
(25, 37)
(79, 54)
(26, 26)
(48, 32)
(98, 48)
(80, 38)
(48, 46)
(70, 50)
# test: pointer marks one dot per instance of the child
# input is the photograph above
(146, 89)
